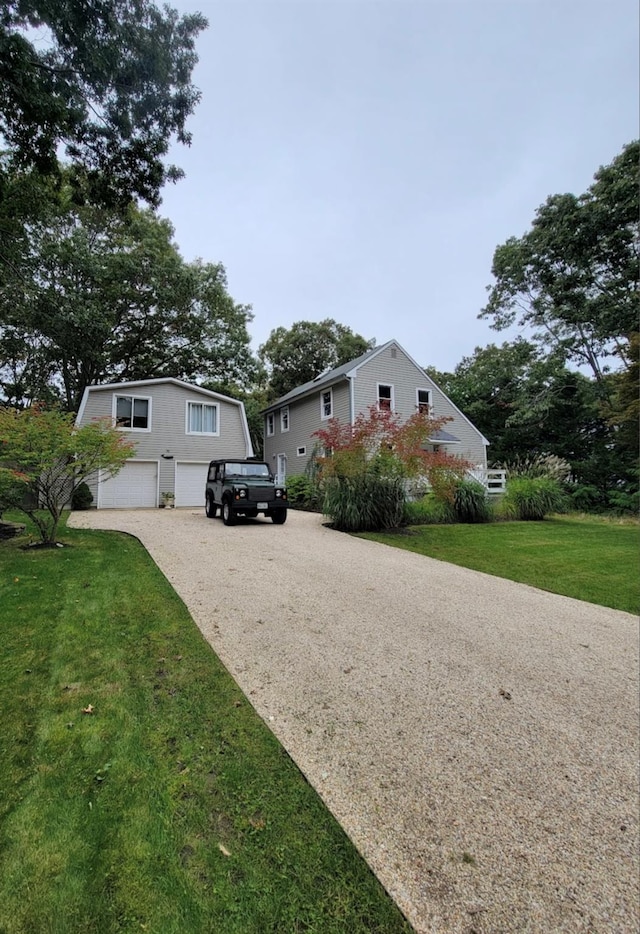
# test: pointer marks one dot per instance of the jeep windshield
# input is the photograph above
(249, 471)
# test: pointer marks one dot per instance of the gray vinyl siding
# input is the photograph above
(304, 420)
(168, 434)
(405, 377)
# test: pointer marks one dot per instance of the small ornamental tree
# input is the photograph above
(365, 465)
(51, 457)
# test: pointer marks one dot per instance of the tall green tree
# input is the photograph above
(100, 295)
(106, 81)
(295, 355)
(527, 402)
(573, 279)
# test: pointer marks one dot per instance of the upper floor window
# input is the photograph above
(326, 403)
(284, 418)
(423, 401)
(271, 424)
(132, 413)
(385, 397)
(202, 418)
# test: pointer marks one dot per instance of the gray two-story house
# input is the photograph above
(177, 429)
(385, 376)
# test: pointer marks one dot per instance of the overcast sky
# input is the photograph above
(361, 159)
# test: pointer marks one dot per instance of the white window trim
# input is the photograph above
(301, 451)
(283, 410)
(420, 389)
(201, 434)
(271, 421)
(392, 401)
(129, 395)
(323, 392)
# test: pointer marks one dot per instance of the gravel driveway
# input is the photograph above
(476, 738)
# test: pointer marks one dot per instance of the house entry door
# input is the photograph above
(281, 476)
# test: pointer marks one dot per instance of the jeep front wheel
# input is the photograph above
(280, 517)
(228, 515)
(210, 508)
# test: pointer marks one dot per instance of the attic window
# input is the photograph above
(385, 397)
(423, 401)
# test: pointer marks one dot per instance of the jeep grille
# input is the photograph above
(260, 494)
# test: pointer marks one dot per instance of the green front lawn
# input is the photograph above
(587, 558)
(167, 806)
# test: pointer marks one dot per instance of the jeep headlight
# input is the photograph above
(281, 494)
(240, 492)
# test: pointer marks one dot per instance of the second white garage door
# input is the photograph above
(190, 483)
(136, 485)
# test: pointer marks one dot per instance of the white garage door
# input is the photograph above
(190, 484)
(135, 485)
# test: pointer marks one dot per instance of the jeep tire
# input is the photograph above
(228, 515)
(210, 508)
(279, 517)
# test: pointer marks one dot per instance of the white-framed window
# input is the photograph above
(385, 397)
(326, 403)
(202, 418)
(271, 424)
(284, 418)
(301, 451)
(132, 413)
(423, 401)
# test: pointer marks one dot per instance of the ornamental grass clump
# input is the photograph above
(365, 503)
(532, 498)
(539, 465)
(470, 502)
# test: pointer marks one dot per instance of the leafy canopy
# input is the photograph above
(295, 355)
(573, 279)
(97, 295)
(109, 81)
(51, 458)
(526, 401)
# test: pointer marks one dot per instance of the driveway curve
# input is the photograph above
(476, 738)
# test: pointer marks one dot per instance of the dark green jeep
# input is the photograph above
(244, 488)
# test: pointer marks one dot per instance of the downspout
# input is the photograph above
(352, 399)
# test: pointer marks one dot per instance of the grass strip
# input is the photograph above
(587, 558)
(168, 806)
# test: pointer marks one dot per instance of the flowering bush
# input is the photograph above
(365, 466)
